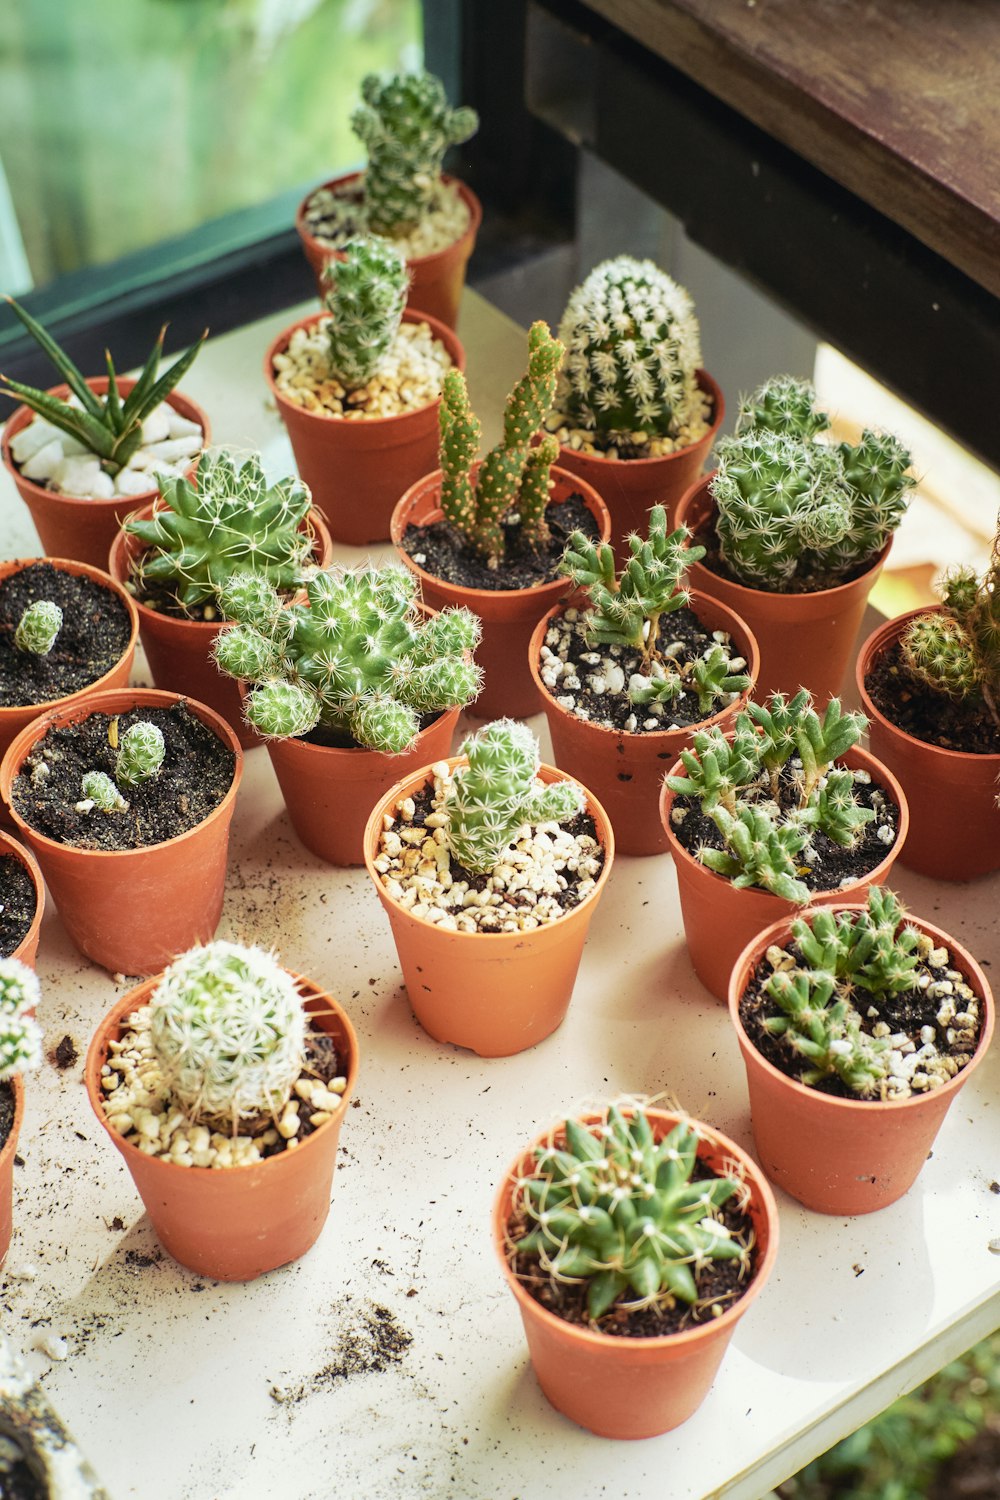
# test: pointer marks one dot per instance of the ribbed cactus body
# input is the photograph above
(38, 627)
(785, 405)
(98, 789)
(957, 651)
(20, 1034)
(365, 294)
(140, 754)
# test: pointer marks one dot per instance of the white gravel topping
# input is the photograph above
(52, 458)
(411, 374)
(444, 223)
(638, 444)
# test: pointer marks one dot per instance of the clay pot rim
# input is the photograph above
(96, 575)
(419, 779)
(441, 332)
(881, 638)
(652, 736)
(468, 197)
(9, 1146)
(11, 846)
(780, 931)
(111, 1024)
(710, 387)
(108, 701)
(753, 1176)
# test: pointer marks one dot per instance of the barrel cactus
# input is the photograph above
(365, 294)
(20, 1034)
(957, 650)
(38, 627)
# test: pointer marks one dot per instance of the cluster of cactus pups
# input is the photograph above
(20, 1033)
(957, 650)
(139, 757)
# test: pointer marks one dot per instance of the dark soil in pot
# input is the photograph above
(94, 633)
(441, 550)
(196, 774)
(17, 903)
(929, 716)
(18, 1482)
(6, 1111)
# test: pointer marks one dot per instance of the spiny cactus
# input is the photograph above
(873, 950)
(406, 126)
(823, 1028)
(20, 1034)
(618, 1209)
(782, 404)
(497, 793)
(957, 652)
(98, 790)
(355, 658)
(140, 754)
(633, 348)
(230, 521)
(228, 1030)
(38, 627)
(759, 852)
(365, 294)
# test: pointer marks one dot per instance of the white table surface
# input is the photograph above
(168, 1381)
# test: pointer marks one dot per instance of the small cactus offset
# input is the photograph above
(782, 404)
(228, 1030)
(497, 793)
(823, 1028)
(230, 521)
(406, 126)
(365, 294)
(20, 1034)
(38, 627)
(957, 651)
(140, 754)
(98, 789)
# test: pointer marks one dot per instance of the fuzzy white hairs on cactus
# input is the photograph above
(20, 1034)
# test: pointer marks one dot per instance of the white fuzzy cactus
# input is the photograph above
(38, 627)
(20, 1034)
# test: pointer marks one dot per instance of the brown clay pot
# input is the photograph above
(68, 525)
(509, 616)
(234, 1223)
(132, 910)
(630, 487)
(8, 1151)
(719, 919)
(627, 770)
(27, 948)
(805, 640)
(13, 720)
(954, 818)
(636, 1387)
(178, 651)
(356, 471)
(436, 281)
(845, 1156)
(496, 993)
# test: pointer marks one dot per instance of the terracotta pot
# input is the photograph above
(954, 818)
(496, 993)
(178, 651)
(68, 525)
(805, 640)
(845, 1156)
(13, 720)
(630, 487)
(234, 1223)
(636, 1387)
(27, 948)
(509, 616)
(719, 919)
(436, 281)
(627, 770)
(8, 1150)
(132, 910)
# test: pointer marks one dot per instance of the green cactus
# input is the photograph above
(228, 1031)
(38, 627)
(633, 349)
(406, 126)
(875, 471)
(489, 800)
(823, 1027)
(617, 1209)
(873, 950)
(20, 1034)
(230, 521)
(759, 852)
(365, 294)
(355, 658)
(140, 754)
(99, 790)
(782, 404)
(957, 651)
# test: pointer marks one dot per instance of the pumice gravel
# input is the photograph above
(410, 374)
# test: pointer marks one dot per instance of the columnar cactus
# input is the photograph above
(406, 126)
(229, 521)
(489, 800)
(365, 294)
(355, 658)
(228, 1030)
(38, 627)
(20, 1034)
(617, 1209)
(633, 348)
(957, 652)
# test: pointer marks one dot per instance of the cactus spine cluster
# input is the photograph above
(957, 651)
(38, 627)
(355, 657)
(489, 800)
(20, 1034)
(406, 125)
(231, 520)
(618, 1209)
(228, 1030)
(633, 349)
(514, 475)
(365, 294)
(139, 758)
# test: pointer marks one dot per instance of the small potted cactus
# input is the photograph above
(22, 901)
(610, 1229)
(796, 531)
(930, 684)
(84, 454)
(20, 1051)
(349, 689)
(634, 412)
(782, 811)
(174, 555)
(858, 1025)
(490, 534)
(626, 674)
(489, 867)
(224, 1082)
(358, 388)
(406, 125)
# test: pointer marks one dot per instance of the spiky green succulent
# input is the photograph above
(98, 789)
(20, 1034)
(957, 650)
(782, 404)
(140, 753)
(365, 294)
(38, 627)
(618, 1209)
